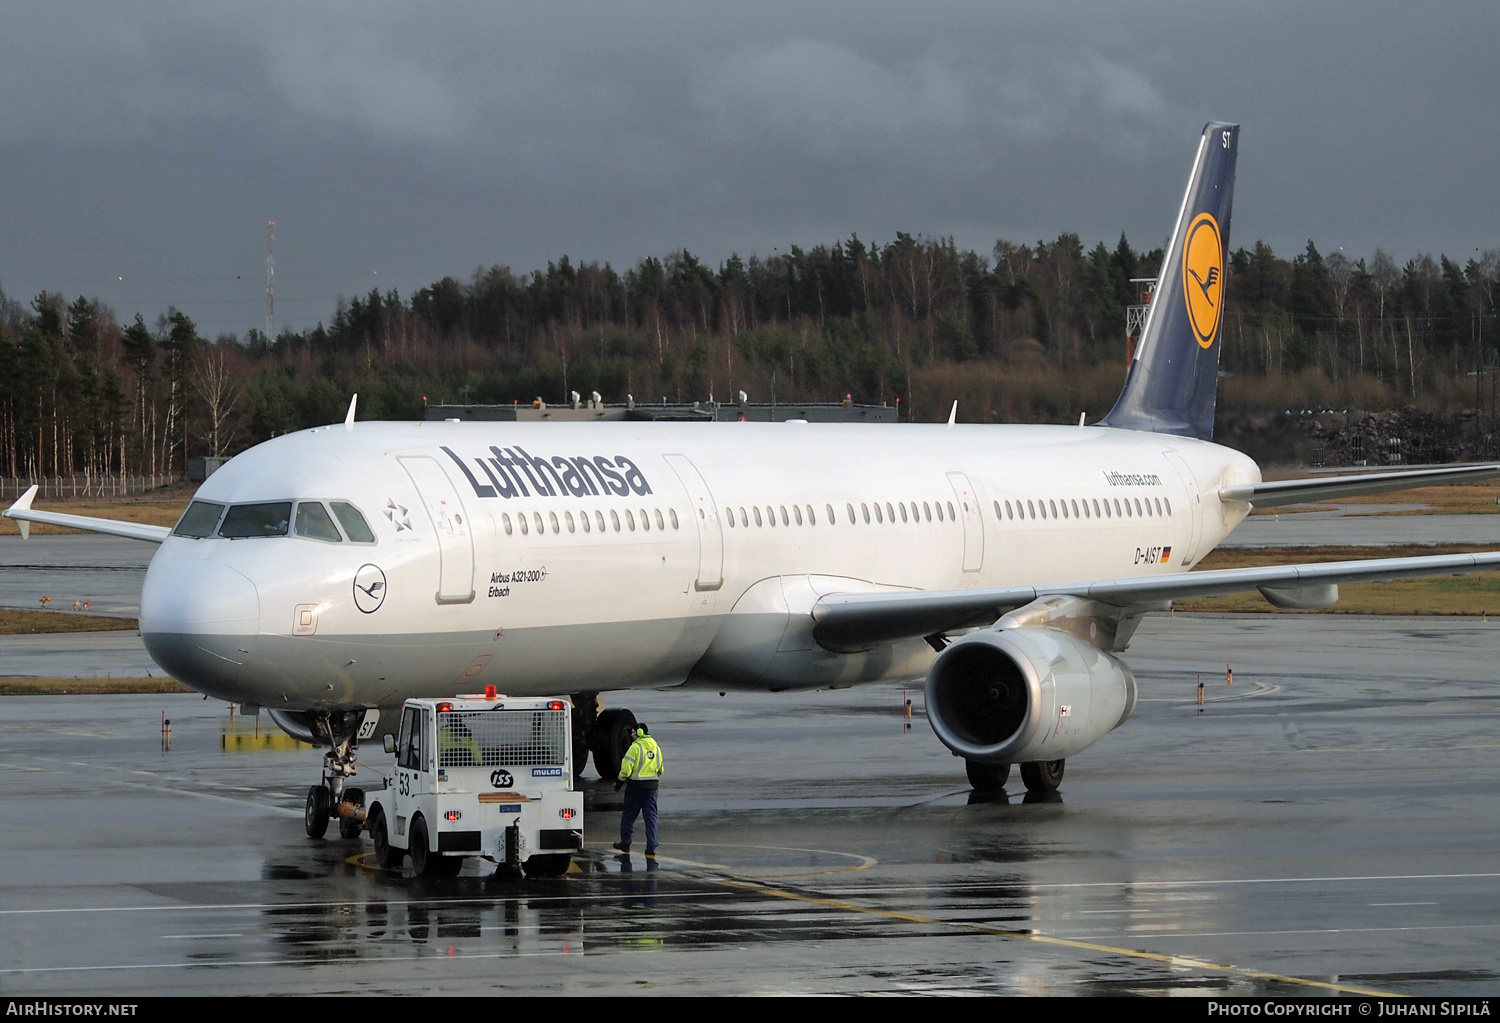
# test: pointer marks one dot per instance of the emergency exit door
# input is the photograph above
(450, 521)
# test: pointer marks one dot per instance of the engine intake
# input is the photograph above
(1010, 696)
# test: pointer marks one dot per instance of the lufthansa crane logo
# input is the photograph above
(1203, 277)
(369, 588)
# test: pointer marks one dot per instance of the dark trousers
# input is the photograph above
(640, 796)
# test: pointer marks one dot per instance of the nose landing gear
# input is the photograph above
(333, 798)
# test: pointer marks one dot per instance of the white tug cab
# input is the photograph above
(488, 776)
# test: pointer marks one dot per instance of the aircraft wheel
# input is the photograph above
(349, 827)
(385, 854)
(548, 865)
(1042, 775)
(985, 777)
(610, 741)
(315, 814)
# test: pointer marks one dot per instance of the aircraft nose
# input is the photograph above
(198, 621)
(198, 598)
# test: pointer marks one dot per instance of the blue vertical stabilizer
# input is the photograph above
(1171, 385)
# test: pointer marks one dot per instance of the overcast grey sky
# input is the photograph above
(143, 147)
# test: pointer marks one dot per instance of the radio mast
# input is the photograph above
(270, 278)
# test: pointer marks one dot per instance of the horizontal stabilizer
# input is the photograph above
(1333, 488)
(859, 621)
(23, 513)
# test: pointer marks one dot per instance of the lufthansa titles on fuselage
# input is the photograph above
(515, 472)
(1132, 479)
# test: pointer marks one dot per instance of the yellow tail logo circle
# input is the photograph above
(1203, 277)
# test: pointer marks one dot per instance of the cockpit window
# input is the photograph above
(314, 521)
(199, 520)
(353, 522)
(269, 519)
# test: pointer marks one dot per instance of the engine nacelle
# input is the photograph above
(1011, 696)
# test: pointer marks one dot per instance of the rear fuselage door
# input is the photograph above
(968, 510)
(450, 521)
(1195, 502)
(705, 516)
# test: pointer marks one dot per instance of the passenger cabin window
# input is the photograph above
(353, 522)
(673, 512)
(247, 520)
(313, 521)
(832, 520)
(660, 524)
(199, 520)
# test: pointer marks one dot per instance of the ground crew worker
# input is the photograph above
(640, 773)
(457, 746)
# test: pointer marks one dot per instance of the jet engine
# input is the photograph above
(1011, 696)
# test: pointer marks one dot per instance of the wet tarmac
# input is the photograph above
(1329, 823)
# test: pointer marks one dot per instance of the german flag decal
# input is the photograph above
(1166, 555)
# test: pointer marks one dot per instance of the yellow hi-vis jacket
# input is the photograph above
(643, 761)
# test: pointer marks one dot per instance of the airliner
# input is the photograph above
(330, 574)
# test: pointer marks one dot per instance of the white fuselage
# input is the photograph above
(705, 548)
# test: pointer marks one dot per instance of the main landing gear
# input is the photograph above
(333, 798)
(604, 733)
(1041, 776)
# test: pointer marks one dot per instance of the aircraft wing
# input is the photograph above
(858, 621)
(22, 512)
(1331, 488)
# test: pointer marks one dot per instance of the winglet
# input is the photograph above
(23, 503)
(953, 415)
(349, 419)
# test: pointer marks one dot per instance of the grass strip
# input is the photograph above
(88, 686)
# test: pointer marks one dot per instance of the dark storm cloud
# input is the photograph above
(394, 144)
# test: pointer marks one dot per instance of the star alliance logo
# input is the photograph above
(397, 515)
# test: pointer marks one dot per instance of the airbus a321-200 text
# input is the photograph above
(331, 574)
